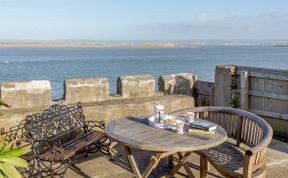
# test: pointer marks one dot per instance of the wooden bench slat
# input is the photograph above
(72, 146)
(73, 149)
(77, 140)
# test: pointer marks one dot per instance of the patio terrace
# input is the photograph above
(97, 166)
(266, 89)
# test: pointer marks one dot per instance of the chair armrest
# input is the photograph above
(263, 145)
(95, 125)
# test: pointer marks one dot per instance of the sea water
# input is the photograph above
(57, 64)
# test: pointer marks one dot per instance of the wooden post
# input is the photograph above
(244, 90)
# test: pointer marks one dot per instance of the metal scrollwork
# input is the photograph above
(57, 120)
(15, 135)
(45, 131)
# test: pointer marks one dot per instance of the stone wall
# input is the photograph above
(181, 83)
(26, 94)
(106, 110)
(30, 94)
(137, 95)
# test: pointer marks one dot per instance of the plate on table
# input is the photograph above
(169, 122)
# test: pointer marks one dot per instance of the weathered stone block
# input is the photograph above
(223, 80)
(136, 86)
(26, 94)
(181, 83)
(86, 89)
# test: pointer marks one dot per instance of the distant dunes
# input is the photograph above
(87, 44)
(62, 44)
(136, 44)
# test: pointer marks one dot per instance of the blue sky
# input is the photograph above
(143, 20)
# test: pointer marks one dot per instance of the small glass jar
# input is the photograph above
(190, 116)
(159, 112)
(180, 126)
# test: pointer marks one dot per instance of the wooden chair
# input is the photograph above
(243, 154)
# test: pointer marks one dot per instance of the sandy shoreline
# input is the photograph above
(63, 44)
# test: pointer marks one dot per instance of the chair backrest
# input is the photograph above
(251, 132)
(56, 121)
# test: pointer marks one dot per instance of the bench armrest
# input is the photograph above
(95, 125)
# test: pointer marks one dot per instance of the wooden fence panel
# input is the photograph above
(267, 93)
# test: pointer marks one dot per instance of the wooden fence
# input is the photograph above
(265, 93)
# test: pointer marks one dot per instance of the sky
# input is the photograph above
(143, 20)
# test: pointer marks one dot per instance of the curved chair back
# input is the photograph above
(251, 133)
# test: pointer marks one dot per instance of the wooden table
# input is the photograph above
(134, 132)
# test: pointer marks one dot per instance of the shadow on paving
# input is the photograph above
(97, 166)
(279, 146)
(103, 167)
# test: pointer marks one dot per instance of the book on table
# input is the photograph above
(203, 125)
(200, 131)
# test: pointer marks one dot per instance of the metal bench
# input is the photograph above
(243, 154)
(60, 132)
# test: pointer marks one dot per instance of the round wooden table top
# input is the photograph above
(135, 132)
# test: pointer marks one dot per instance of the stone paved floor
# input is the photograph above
(97, 166)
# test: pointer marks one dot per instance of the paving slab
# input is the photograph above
(98, 166)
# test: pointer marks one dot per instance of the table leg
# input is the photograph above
(170, 161)
(132, 162)
(153, 163)
(186, 167)
(181, 163)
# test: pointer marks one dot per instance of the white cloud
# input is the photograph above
(265, 25)
(205, 17)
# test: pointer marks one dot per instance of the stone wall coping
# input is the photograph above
(90, 81)
(34, 85)
(139, 77)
